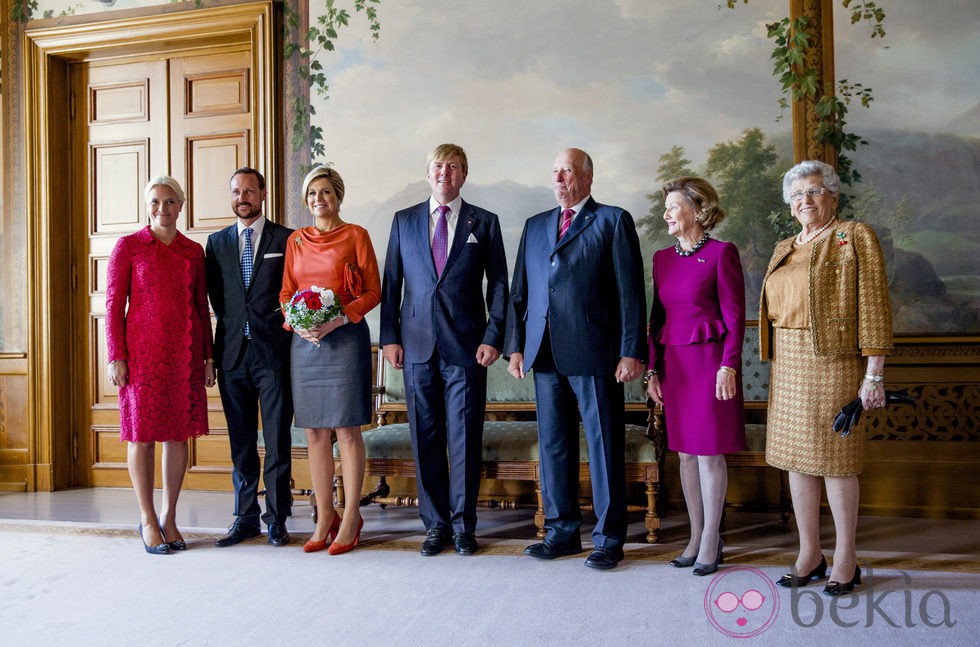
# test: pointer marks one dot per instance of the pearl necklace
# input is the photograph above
(681, 252)
(803, 241)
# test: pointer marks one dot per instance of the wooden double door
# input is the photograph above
(190, 115)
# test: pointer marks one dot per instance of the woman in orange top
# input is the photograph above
(330, 364)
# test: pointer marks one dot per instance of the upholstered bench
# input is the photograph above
(510, 447)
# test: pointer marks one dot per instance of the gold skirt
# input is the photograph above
(805, 393)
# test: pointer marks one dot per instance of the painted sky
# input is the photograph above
(513, 82)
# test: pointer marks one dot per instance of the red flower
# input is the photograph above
(312, 300)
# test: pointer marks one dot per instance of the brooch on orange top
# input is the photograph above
(299, 241)
(840, 238)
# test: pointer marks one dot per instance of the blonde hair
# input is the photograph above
(332, 176)
(167, 181)
(443, 152)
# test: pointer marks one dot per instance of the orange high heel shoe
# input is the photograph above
(337, 548)
(316, 546)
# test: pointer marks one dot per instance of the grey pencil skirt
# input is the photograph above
(332, 383)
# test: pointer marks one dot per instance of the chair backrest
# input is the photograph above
(755, 372)
(501, 386)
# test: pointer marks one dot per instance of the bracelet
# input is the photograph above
(871, 377)
(346, 320)
(649, 374)
(728, 369)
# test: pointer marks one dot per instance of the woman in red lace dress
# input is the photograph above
(159, 354)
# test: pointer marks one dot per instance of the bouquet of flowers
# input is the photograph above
(310, 308)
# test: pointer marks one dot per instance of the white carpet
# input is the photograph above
(67, 588)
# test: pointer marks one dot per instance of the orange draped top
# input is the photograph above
(314, 257)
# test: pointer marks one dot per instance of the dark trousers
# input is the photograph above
(446, 407)
(601, 401)
(244, 389)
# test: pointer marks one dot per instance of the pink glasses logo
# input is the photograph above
(741, 602)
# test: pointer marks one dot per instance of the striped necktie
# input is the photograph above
(566, 222)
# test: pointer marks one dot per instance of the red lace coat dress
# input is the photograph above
(165, 336)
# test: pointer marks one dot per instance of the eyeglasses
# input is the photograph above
(751, 600)
(813, 192)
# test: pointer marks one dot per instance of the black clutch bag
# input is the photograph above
(850, 413)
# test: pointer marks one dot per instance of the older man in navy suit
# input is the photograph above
(435, 324)
(251, 349)
(578, 320)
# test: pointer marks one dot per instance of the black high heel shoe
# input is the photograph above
(837, 588)
(683, 562)
(177, 544)
(159, 549)
(707, 569)
(791, 581)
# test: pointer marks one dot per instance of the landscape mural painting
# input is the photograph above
(651, 89)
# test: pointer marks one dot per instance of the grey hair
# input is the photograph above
(806, 168)
(167, 181)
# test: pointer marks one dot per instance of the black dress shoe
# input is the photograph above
(435, 540)
(604, 558)
(792, 581)
(278, 535)
(238, 533)
(465, 543)
(548, 549)
(843, 588)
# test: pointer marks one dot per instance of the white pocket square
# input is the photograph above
(471, 239)
(272, 256)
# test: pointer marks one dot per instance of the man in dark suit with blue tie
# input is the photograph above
(578, 319)
(435, 324)
(251, 349)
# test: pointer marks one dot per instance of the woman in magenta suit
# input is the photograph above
(697, 323)
(159, 354)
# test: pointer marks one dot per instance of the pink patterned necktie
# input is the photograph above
(440, 240)
(566, 222)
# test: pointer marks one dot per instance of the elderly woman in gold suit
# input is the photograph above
(825, 323)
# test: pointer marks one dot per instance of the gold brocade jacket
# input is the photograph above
(850, 310)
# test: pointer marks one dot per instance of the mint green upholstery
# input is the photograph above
(501, 386)
(503, 441)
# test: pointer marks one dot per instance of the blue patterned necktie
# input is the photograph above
(440, 240)
(247, 258)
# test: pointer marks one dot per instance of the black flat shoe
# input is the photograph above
(550, 550)
(604, 559)
(159, 549)
(837, 588)
(683, 562)
(792, 581)
(707, 569)
(435, 540)
(278, 535)
(465, 543)
(238, 533)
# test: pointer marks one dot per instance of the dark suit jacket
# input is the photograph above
(588, 288)
(449, 312)
(231, 303)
